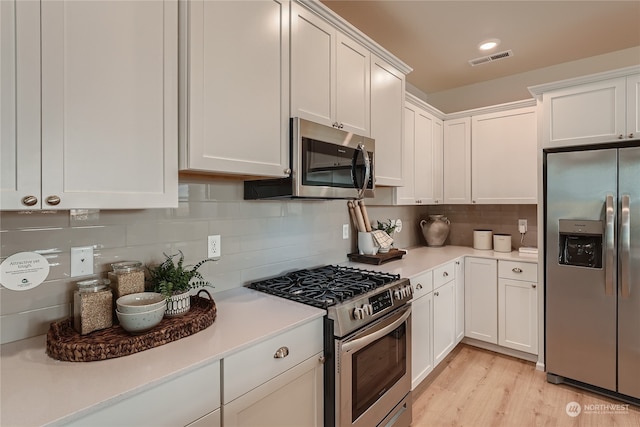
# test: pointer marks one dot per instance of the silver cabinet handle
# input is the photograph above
(281, 353)
(533, 285)
(322, 359)
(516, 270)
(621, 136)
(419, 286)
(29, 200)
(53, 200)
(608, 234)
(287, 171)
(631, 135)
(445, 274)
(625, 242)
(437, 294)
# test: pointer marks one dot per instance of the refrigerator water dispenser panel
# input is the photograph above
(580, 243)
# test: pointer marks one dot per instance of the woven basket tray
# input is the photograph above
(64, 343)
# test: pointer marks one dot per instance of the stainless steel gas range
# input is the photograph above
(367, 336)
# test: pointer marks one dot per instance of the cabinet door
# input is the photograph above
(481, 299)
(293, 398)
(313, 60)
(424, 158)
(585, 114)
(387, 101)
(444, 309)
(518, 315)
(457, 161)
(238, 87)
(353, 93)
(109, 104)
(405, 195)
(633, 107)
(438, 161)
(459, 268)
(504, 157)
(20, 108)
(421, 339)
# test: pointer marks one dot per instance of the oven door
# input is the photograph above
(375, 373)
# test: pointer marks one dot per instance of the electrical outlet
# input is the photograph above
(398, 225)
(345, 231)
(81, 261)
(522, 226)
(213, 246)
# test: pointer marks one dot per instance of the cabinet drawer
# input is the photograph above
(516, 270)
(422, 284)
(247, 369)
(444, 274)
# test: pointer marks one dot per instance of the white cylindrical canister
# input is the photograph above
(482, 239)
(502, 242)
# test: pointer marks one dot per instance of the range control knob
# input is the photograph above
(358, 313)
(367, 309)
(397, 294)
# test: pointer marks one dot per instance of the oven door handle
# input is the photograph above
(359, 343)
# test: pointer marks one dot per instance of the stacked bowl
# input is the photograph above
(141, 311)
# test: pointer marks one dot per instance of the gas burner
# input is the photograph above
(324, 286)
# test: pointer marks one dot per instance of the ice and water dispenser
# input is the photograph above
(581, 243)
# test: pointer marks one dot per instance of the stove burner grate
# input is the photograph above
(324, 286)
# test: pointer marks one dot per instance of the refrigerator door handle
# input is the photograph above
(625, 243)
(609, 248)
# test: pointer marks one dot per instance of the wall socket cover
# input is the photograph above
(522, 226)
(345, 231)
(214, 246)
(398, 225)
(81, 261)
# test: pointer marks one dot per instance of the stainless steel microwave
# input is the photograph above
(326, 163)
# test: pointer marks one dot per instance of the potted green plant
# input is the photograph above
(388, 227)
(174, 280)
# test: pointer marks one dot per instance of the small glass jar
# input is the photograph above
(127, 278)
(92, 306)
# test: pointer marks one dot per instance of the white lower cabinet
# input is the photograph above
(278, 381)
(459, 273)
(518, 307)
(481, 302)
(293, 398)
(444, 333)
(421, 327)
(193, 397)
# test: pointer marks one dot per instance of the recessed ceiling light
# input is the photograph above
(488, 44)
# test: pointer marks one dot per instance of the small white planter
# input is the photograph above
(178, 304)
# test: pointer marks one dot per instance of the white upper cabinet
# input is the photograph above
(20, 109)
(330, 74)
(504, 157)
(108, 106)
(235, 87)
(423, 158)
(596, 111)
(457, 161)
(387, 100)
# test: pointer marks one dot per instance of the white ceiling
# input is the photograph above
(438, 38)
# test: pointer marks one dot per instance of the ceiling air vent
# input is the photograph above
(491, 58)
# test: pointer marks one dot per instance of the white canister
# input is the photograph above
(482, 239)
(502, 242)
(366, 244)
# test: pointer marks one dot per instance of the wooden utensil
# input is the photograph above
(359, 218)
(352, 214)
(365, 215)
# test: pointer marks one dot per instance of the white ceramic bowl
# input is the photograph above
(137, 323)
(140, 302)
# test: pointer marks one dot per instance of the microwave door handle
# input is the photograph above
(625, 243)
(359, 343)
(609, 246)
(367, 170)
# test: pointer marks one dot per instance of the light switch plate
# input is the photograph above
(81, 261)
(345, 231)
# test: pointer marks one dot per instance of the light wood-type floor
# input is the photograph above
(478, 388)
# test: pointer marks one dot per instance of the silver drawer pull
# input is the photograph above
(419, 286)
(445, 274)
(516, 270)
(281, 353)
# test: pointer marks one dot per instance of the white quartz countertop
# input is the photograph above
(38, 390)
(423, 258)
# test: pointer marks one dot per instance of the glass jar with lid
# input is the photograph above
(127, 278)
(92, 305)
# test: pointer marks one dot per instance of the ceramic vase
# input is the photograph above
(178, 304)
(435, 230)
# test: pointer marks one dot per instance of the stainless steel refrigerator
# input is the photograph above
(592, 269)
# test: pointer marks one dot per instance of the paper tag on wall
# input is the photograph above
(23, 271)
